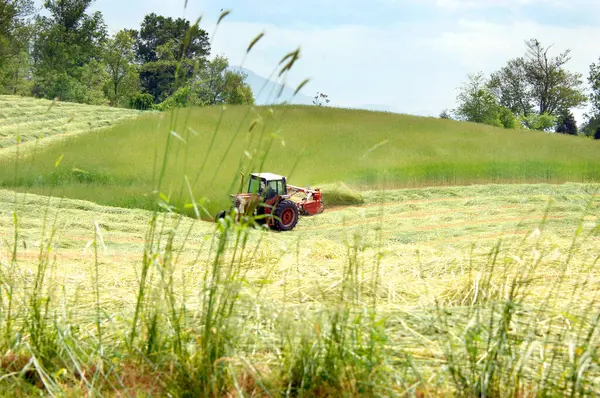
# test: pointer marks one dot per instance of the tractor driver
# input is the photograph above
(266, 191)
(270, 192)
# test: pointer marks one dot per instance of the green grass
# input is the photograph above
(410, 292)
(118, 166)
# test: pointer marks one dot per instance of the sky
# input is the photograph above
(410, 56)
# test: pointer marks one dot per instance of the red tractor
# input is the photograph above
(270, 200)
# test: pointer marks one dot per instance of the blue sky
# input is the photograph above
(409, 55)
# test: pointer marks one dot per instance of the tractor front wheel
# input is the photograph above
(220, 215)
(286, 216)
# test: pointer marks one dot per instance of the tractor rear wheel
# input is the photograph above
(286, 216)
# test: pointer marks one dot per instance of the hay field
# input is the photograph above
(442, 224)
(436, 268)
(27, 120)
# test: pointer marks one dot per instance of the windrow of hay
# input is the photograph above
(340, 194)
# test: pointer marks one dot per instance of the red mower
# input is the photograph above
(274, 202)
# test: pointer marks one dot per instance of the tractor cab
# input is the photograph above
(267, 185)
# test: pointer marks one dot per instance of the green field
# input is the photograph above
(457, 290)
(119, 166)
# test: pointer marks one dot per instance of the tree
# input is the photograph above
(553, 88)
(65, 44)
(591, 125)
(218, 85)
(12, 16)
(445, 114)
(188, 41)
(594, 80)
(236, 90)
(320, 98)
(119, 58)
(165, 47)
(507, 118)
(537, 83)
(597, 134)
(182, 98)
(544, 122)
(476, 103)
(566, 123)
(141, 101)
(15, 36)
(510, 87)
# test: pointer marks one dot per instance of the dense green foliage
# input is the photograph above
(119, 57)
(141, 101)
(543, 122)
(477, 104)
(312, 145)
(15, 33)
(170, 52)
(65, 52)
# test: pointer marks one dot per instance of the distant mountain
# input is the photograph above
(265, 91)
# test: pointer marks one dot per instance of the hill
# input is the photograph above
(120, 165)
(29, 119)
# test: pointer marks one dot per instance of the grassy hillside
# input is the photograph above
(438, 291)
(120, 165)
(32, 119)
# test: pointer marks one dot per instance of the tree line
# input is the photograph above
(65, 52)
(534, 91)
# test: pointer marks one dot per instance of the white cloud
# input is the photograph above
(414, 69)
(353, 64)
(413, 66)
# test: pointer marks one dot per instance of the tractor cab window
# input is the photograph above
(256, 185)
(277, 186)
(273, 188)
